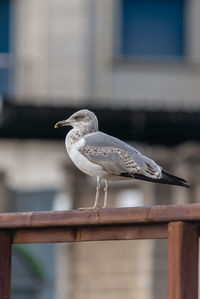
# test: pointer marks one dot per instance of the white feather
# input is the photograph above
(82, 162)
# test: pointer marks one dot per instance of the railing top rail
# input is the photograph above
(87, 217)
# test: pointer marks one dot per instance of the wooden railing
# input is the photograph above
(178, 223)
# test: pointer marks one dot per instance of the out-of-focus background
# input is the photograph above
(136, 64)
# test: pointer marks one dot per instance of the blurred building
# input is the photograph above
(136, 63)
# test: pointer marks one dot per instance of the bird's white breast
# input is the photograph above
(82, 162)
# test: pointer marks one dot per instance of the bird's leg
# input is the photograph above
(105, 194)
(97, 193)
(96, 196)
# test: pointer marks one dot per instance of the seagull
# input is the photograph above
(106, 157)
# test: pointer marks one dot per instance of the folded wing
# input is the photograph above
(117, 157)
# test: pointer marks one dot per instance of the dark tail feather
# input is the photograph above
(166, 179)
(175, 180)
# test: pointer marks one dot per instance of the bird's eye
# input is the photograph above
(78, 117)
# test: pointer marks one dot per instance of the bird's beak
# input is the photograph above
(62, 123)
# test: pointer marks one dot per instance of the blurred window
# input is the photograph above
(4, 46)
(152, 29)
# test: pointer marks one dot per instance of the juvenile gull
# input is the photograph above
(106, 157)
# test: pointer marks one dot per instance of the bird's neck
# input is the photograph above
(77, 133)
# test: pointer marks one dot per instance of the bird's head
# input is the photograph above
(79, 119)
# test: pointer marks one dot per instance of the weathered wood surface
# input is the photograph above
(156, 214)
(182, 261)
(172, 222)
(97, 233)
(5, 265)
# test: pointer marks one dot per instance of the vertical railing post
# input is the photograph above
(5, 264)
(182, 261)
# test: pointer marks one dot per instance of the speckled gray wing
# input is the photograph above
(117, 157)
